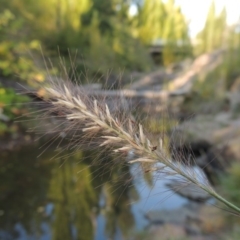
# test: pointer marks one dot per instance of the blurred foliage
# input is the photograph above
(161, 125)
(107, 38)
(210, 89)
(104, 33)
(93, 27)
(229, 187)
(208, 93)
(232, 235)
(162, 20)
(230, 183)
(11, 106)
(213, 35)
(11, 103)
(232, 62)
(15, 64)
(162, 23)
(13, 50)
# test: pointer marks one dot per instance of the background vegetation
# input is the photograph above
(104, 33)
(104, 39)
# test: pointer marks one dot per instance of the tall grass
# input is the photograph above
(94, 121)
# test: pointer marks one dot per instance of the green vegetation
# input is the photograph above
(213, 36)
(105, 35)
(211, 87)
(229, 187)
(14, 62)
(163, 23)
(161, 125)
(11, 106)
(231, 183)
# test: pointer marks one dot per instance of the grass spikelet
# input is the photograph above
(94, 128)
(143, 160)
(76, 116)
(53, 92)
(160, 143)
(64, 102)
(95, 107)
(130, 127)
(114, 139)
(79, 102)
(68, 95)
(109, 118)
(123, 149)
(141, 134)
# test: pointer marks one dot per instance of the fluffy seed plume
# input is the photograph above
(95, 120)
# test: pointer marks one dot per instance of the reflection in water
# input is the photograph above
(23, 185)
(74, 198)
(60, 199)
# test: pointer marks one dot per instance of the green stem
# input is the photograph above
(212, 193)
(226, 202)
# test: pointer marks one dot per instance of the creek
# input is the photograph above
(85, 195)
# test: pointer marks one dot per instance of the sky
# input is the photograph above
(196, 11)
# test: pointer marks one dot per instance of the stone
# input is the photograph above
(188, 190)
(166, 232)
(177, 216)
(193, 221)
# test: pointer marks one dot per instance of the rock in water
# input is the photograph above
(188, 190)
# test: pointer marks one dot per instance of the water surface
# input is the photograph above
(82, 196)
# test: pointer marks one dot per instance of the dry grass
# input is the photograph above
(104, 123)
(96, 124)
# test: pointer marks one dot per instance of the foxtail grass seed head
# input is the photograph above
(91, 119)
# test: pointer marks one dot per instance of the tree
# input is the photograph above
(151, 20)
(163, 22)
(212, 35)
